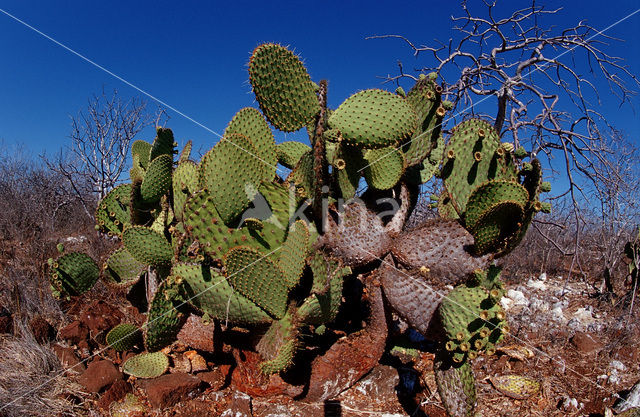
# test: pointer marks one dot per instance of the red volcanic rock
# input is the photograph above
(75, 332)
(100, 317)
(586, 343)
(170, 389)
(116, 392)
(99, 375)
(68, 358)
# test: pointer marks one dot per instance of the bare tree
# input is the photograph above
(529, 75)
(100, 139)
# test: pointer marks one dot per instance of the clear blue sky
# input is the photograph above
(193, 55)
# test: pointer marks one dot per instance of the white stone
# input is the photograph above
(517, 297)
(539, 285)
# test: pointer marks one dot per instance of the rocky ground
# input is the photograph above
(581, 351)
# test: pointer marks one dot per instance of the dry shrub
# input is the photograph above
(31, 379)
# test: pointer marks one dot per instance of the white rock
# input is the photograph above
(543, 276)
(539, 285)
(632, 399)
(617, 365)
(517, 297)
(539, 305)
(584, 314)
(506, 303)
(557, 312)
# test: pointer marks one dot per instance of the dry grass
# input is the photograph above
(31, 382)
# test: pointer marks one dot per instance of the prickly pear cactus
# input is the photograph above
(227, 238)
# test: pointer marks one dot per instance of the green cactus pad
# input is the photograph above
(487, 195)
(185, 183)
(157, 180)
(113, 212)
(374, 119)
(494, 213)
(146, 245)
(456, 386)
(163, 143)
(294, 252)
(141, 150)
(124, 337)
(328, 279)
(209, 292)
(164, 319)
(289, 153)
(257, 278)
(302, 176)
(146, 365)
(424, 171)
(121, 269)
(496, 227)
(232, 171)
(349, 177)
(137, 171)
(186, 153)
(74, 273)
(385, 167)
(278, 345)
(472, 157)
(472, 318)
(205, 225)
(282, 87)
(250, 123)
(280, 203)
(424, 100)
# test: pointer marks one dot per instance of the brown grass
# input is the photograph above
(31, 379)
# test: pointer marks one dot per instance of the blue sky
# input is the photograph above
(193, 55)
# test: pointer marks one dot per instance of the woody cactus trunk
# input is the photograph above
(231, 240)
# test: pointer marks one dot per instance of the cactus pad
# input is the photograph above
(515, 386)
(472, 157)
(146, 365)
(289, 153)
(374, 119)
(250, 123)
(113, 211)
(282, 87)
(294, 252)
(74, 273)
(141, 150)
(185, 183)
(164, 319)
(278, 345)
(384, 167)
(231, 171)
(456, 386)
(257, 278)
(146, 245)
(124, 337)
(121, 269)
(157, 180)
(208, 290)
(163, 143)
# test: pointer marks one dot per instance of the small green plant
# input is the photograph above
(230, 239)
